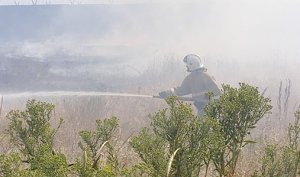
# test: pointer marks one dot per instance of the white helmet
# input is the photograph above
(193, 62)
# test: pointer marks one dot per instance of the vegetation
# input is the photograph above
(283, 160)
(176, 144)
(31, 133)
(194, 140)
(93, 143)
(237, 111)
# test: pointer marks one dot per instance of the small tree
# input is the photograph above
(93, 143)
(237, 111)
(31, 132)
(180, 142)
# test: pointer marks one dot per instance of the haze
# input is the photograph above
(241, 41)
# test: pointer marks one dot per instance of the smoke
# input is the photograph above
(251, 41)
(217, 28)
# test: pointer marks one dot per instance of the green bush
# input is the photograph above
(31, 132)
(92, 144)
(9, 164)
(31, 129)
(179, 143)
(237, 111)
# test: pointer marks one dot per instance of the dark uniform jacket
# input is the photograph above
(198, 83)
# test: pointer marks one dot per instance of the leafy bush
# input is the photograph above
(180, 143)
(93, 143)
(31, 129)
(31, 132)
(237, 111)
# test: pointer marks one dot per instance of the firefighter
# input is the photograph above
(198, 83)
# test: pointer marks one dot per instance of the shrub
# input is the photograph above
(31, 132)
(92, 144)
(179, 143)
(237, 111)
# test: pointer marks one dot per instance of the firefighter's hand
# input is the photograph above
(165, 94)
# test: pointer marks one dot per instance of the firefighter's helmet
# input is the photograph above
(193, 62)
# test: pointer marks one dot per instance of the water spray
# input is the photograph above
(73, 93)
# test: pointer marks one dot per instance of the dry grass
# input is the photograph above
(81, 113)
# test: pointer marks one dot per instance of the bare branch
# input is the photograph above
(279, 99)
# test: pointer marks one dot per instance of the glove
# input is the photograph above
(167, 93)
